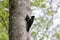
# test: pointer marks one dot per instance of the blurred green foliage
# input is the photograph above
(4, 19)
(44, 26)
(38, 2)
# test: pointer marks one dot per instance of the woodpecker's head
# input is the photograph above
(32, 17)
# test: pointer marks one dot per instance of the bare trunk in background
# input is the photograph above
(17, 24)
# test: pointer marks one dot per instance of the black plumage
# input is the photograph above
(29, 22)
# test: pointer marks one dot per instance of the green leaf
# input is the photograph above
(34, 34)
(43, 5)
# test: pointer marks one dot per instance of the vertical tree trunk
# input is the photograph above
(17, 24)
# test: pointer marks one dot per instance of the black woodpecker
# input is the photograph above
(29, 22)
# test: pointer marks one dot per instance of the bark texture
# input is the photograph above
(17, 24)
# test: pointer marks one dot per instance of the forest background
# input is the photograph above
(46, 25)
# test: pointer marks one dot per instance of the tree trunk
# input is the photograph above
(17, 24)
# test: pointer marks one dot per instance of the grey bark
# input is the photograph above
(17, 24)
